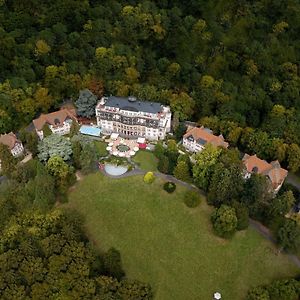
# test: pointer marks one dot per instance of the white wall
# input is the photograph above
(17, 150)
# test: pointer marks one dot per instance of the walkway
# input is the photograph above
(127, 174)
(293, 180)
(265, 232)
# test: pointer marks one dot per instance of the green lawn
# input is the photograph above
(171, 246)
(146, 160)
(101, 147)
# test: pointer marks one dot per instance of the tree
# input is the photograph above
(46, 130)
(74, 129)
(130, 289)
(282, 204)
(57, 168)
(44, 184)
(94, 84)
(183, 105)
(88, 157)
(192, 199)
(54, 145)
(159, 150)
(293, 157)
(62, 173)
(182, 171)
(112, 264)
(242, 215)
(163, 164)
(42, 48)
(224, 221)
(179, 131)
(258, 293)
(76, 149)
(226, 184)
(256, 196)
(149, 177)
(86, 104)
(288, 236)
(30, 139)
(288, 289)
(43, 99)
(172, 154)
(205, 162)
(8, 163)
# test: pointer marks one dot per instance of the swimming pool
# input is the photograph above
(90, 130)
(115, 170)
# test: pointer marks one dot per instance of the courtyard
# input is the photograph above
(122, 147)
(171, 246)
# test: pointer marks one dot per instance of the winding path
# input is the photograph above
(260, 228)
(293, 180)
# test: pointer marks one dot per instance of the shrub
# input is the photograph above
(170, 187)
(192, 199)
(149, 177)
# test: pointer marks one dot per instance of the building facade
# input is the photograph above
(59, 122)
(133, 118)
(195, 139)
(11, 141)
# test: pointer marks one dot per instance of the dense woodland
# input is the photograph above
(44, 252)
(233, 63)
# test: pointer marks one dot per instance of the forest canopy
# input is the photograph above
(236, 60)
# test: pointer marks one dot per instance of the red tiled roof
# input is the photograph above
(206, 135)
(9, 140)
(52, 118)
(273, 170)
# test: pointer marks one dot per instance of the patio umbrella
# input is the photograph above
(136, 148)
(121, 154)
(110, 144)
(108, 148)
(132, 153)
(115, 153)
(217, 296)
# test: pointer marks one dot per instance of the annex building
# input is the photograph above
(272, 171)
(59, 122)
(195, 139)
(13, 143)
(132, 118)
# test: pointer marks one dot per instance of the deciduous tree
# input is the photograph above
(224, 221)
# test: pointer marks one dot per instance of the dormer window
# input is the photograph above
(201, 141)
(190, 138)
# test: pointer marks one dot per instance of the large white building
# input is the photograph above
(133, 118)
(59, 122)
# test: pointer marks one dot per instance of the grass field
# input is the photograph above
(101, 147)
(171, 246)
(146, 160)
